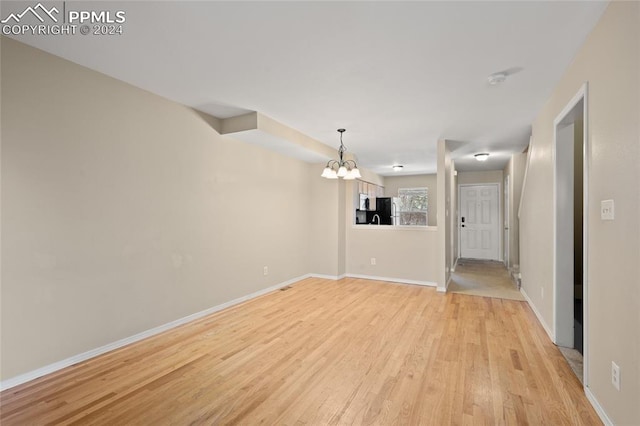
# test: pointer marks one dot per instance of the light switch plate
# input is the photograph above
(606, 210)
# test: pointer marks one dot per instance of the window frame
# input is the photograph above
(411, 211)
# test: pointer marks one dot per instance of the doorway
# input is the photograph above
(479, 222)
(570, 233)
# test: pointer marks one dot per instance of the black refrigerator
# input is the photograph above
(383, 209)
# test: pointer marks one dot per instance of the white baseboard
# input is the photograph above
(328, 277)
(395, 280)
(51, 368)
(446, 286)
(596, 406)
(455, 265)
(538, 315)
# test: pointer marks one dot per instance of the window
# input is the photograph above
(413, 206)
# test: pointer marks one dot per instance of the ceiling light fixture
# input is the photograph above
(346, 169)
(497, 78)
(397, 167)
(483, 156)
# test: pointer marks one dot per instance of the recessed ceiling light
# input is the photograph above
(397, 168)
(497, 78)
(483, 156)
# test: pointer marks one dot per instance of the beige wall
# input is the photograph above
(122, 211)
(401, 254)
(515, 170)
(609, 62)
(393, 183)
(343, 223)
(453, 216)
(519, 165)
(508, 220)
(490, 176)
(445, 213)
(323, 215)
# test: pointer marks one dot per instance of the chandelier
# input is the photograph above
(345, 169)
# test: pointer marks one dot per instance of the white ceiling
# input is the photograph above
(397, 75)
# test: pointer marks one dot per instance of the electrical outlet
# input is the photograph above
(606, 210)
(265, 271)
(615, 375)
(373, 260)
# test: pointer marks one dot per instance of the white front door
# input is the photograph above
(479, 227)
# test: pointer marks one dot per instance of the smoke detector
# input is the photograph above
(497, 78)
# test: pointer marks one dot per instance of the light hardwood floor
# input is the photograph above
(324, 352)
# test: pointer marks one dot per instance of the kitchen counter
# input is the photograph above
(394, 227)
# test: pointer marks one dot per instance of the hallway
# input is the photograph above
(483, 278)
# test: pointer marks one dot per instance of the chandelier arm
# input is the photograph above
(332, 163)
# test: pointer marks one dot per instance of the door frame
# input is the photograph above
(498, 185)
(506, 221)
(581, 95)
